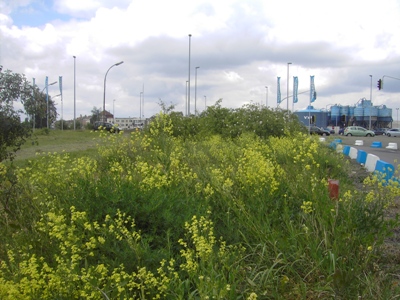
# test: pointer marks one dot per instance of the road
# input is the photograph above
(388, 155)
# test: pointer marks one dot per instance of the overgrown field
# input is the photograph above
(158, 215)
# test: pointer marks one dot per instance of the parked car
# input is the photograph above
(380, 131)
(358, 131)
(331, 131)
(105, 125)
(319, 131)
(393, 132)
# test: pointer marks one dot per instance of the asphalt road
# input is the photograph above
(388, 155)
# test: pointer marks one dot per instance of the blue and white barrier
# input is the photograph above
(371, 162)
(384, 170)
(361, 157)
(346, 150)
(353, 153)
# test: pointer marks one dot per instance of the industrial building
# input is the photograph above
(363, 113)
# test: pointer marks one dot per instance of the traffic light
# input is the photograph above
(380, 84)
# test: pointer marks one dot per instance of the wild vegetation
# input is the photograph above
(230, 204)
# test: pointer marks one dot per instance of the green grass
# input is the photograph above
(79, 142)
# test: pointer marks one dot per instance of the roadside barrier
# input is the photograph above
(359, 143)
(376, 144)
(346, 150)
(371, 162)
(353, 153)
(335, 143)
(361, 157)
(384, 170)
(392, 146)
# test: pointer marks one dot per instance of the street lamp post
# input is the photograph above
(34, 102)
(266, 97)
(62, 113)
(370, 98)
(140, 105)
(113, 112)
(195, 92)
(188, 91)
(74, 92)
(287, 88)
(205, 102)
(142, 102)
(397, 118)
(186, 106)
(104, 94)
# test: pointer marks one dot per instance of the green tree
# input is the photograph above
(13, 133)
(96, 114)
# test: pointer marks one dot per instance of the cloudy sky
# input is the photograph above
(240, 47)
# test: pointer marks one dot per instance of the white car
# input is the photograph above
(393, 132)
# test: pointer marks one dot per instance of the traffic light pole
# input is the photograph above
(380, 81)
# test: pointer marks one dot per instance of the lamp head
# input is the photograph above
(117, 64)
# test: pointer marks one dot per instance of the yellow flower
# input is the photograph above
(253, 296)
(307, 207)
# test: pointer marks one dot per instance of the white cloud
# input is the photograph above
(240, 46)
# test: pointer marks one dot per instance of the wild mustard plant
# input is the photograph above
(307, 207)
(209, 263)
(78, 241)
(379, 188)
(130, 222)
(255, 173)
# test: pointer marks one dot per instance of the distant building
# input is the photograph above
(128, 123)
(363, 113)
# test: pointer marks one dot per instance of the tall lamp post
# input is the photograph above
(370, 98)
(287, 88)
(266, 97)
(397, 117)
(195, 92)
(188, 91)
(142, 101)
(74, 92)
(104, 94)
(186, 106)
(205, 102)
(140, 105)
(113, 112)
(33, 99)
